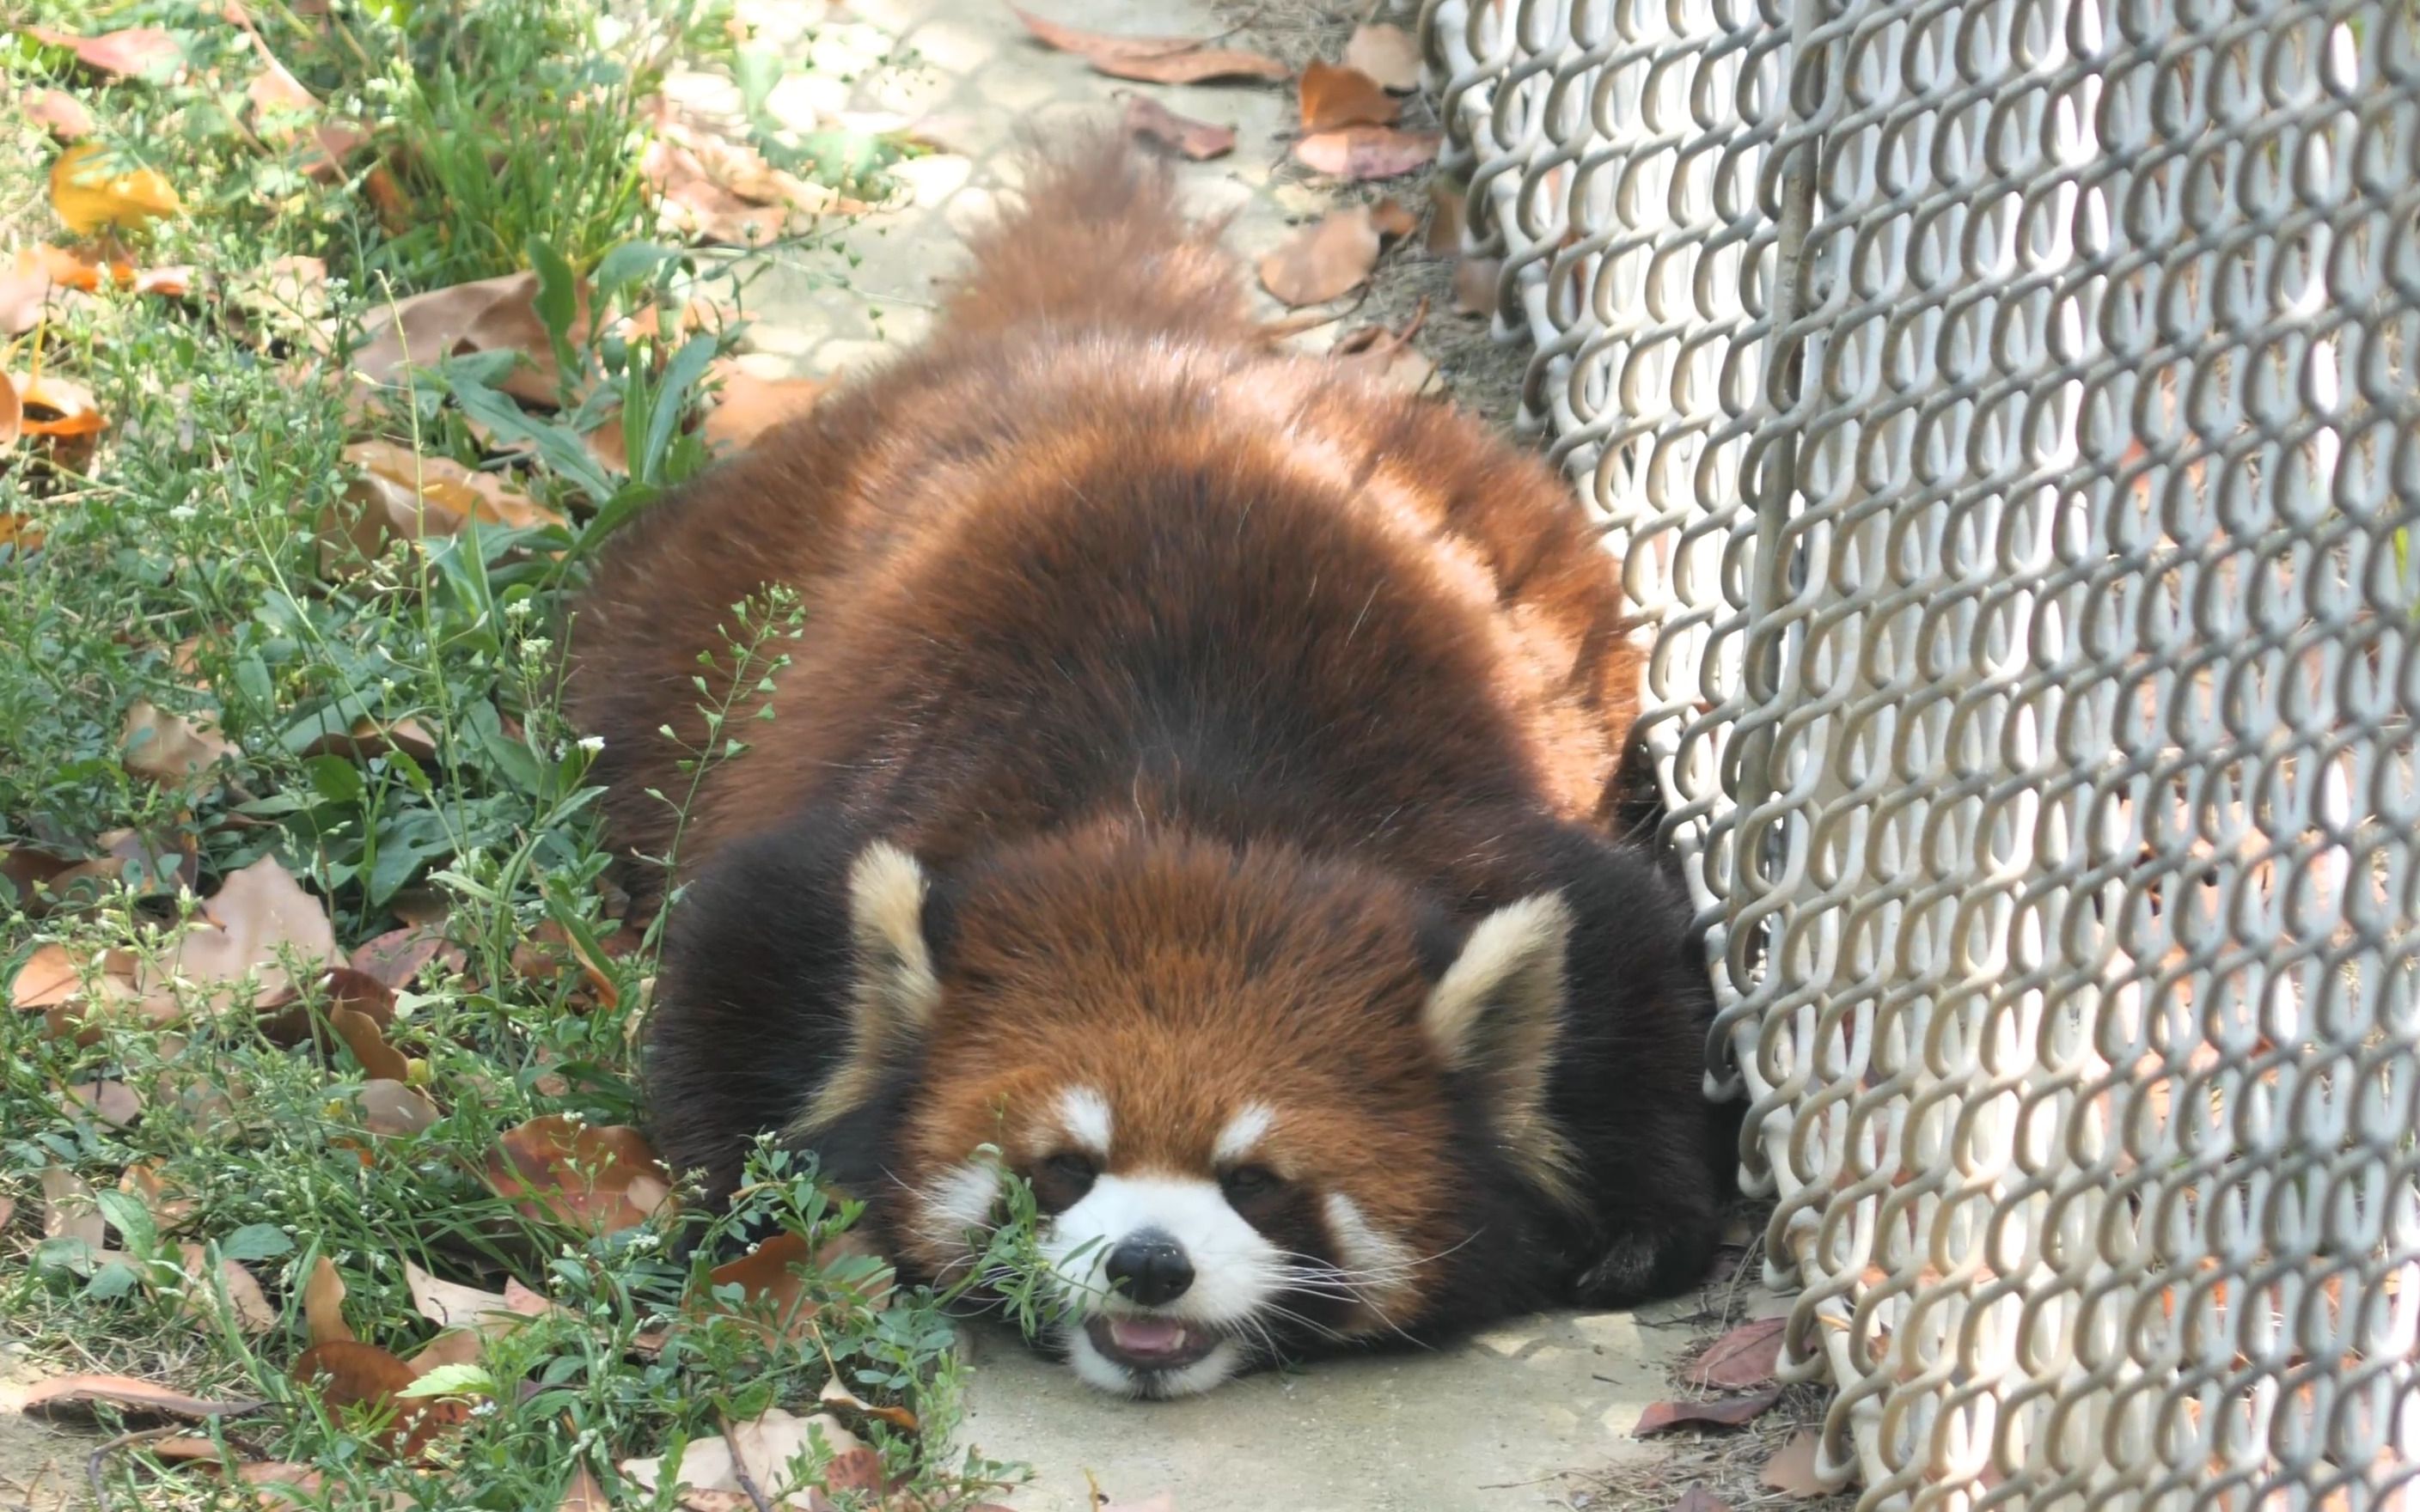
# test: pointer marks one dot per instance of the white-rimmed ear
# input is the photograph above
(1495, 1016)
(892, 1002)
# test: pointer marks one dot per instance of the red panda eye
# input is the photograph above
(1062, 1181)
(1246, 1182)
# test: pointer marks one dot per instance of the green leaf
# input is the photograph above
(559, 446)
(112, 1281)
(682, 375)
(335, 778)
(257, 1241)
(633, 262)
(127, 1214)
(557, 302)
(452, 1380)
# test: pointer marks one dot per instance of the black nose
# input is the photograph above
(1149, 1268)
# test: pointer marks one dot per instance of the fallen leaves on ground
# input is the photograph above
(452, 1304)
(1792, 1469)
(836, 1398)
(1356, 153)
(1324, 260)
(259, 926)
(583, 1493)
(772, 1280)
(598, 1177)
(766, 1447)
(250, 1305)
(63, 414)
(1388, 53)
(488, 314)
(59, 113)
(40, 280)
(76, 1396)
(1148, 120)
(396, 958)
(150, 865)
(710, 188)
(746, 405)
(1153, 59)
(113, 1103)
(393, 1109)
(90, 193)
(1333, 97)
(69, 1210)
(323, 1304)
(351, 1375)
(1697, 1499)
(149, 53)
(1387, 357)
(172, 749)
(1746, 1356)
(1718, 1412)
(1475, 281)
(169, 1206)
(403, 495)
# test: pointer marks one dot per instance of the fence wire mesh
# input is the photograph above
(2007, 415)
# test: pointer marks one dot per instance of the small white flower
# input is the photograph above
(592, 744)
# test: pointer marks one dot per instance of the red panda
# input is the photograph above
(1197, 791)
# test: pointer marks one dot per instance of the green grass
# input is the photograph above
(184, 562)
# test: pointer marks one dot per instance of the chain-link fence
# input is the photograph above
(2007, 413)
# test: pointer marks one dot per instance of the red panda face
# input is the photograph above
(1225, 1076)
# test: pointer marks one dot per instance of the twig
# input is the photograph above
(740, 1471)
(95, 1462)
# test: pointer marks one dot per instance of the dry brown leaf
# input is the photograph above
(396, 958)
(88, 193)
(59, 113)
(76, 1396)
(403, 495)
(114, 1104)
(52, 983)
(766, 1446)
(323, 1304)
(1393, 218)
(1148, 120)
(712, 189)
(1356, 153)
(369, 739)
(253, 1313)
(287, 1018)
(598, 1177)
(746, 405)
(1332, 97)
(453, 1306)
(127, 857)
(1697, 1499)
(1746, 1356)
(491, 314)
(1446, 209)
(56, 408)
(836, 1398)
(7, 1212)
(583, 1494)
(393, 1109)
(1792, 1469)
(1387, 358)
(455, 1346)
(1475, 281)
(260, 926)
(1719, 1413)
(1325, 260)
(167, 1203)
(69, 1210)
(379, 1061)
(1388, 53)
(12, 424)
(354, 1374)
(172, 749)
(130, 53)
(1154, 59)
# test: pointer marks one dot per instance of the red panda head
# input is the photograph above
(1239, 1083)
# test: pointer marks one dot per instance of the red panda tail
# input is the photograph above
(1099, 239)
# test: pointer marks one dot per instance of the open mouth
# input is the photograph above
(1149, 1343)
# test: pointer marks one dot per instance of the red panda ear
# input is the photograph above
(893, 1000)
(1494, 1016)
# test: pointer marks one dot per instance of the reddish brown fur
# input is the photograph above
(1220, 692)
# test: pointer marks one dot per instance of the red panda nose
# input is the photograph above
(1149, 1268)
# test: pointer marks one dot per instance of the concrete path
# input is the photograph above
(1497, 1422)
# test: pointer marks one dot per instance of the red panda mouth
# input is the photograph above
(1149, 1343)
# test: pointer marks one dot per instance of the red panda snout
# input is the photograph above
(1171, 1279)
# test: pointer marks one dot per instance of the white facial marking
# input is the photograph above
(960, 1202)
(1236, 1273)
(1370, 1255)
(1085, 1113)
(1243, 1132)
